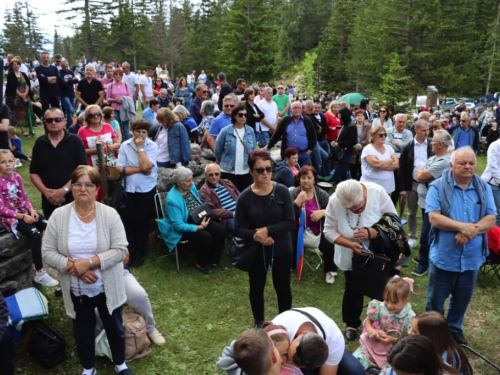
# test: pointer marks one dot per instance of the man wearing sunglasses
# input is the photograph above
(223, 120)
(316, 343)
(221, 195)
(413, 157)
(201, 96)
(55, 156)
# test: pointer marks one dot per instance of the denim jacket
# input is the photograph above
(225, 146)
(179, 146)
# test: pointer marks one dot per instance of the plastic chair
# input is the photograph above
(489, 270)
(160, 214)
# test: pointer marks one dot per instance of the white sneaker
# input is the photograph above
(18, 163)
(45, 279)
(156, 337)
(330, 277)
(412, 243)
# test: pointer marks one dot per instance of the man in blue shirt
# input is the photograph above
(465, 135)
(221, 121)
(461, 211)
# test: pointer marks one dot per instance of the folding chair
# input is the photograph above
(489, 269)
(318, 253)
(160, 214)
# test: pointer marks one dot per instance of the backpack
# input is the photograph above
(137, 344)
(46, 346)
(494, 240)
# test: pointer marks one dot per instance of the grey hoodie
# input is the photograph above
(227, 363)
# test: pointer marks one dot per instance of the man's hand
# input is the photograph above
(460, 239)
(469, 230)
(56, 196)
(404, 194)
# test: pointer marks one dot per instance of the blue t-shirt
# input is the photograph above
(218, 123)
(463, 139)
(444, 253)
(17, 143)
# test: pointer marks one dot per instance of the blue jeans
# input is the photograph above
(124, 126)
(165, 164)
(496, 196)
(230, 224)
(459, 286)
(262, 139)
(319, 158)
(340, 173)
(327, 164)
(348, 366)
(423, 260)
(68, 108)
(304, 158)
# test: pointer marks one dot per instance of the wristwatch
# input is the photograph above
(66, 189)
(140, 150)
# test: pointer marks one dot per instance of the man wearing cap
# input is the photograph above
(314, 336)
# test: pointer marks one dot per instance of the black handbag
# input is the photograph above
(46, 346)
(241, 253)
(196, 215)
(336, 153)
(119, 197)
(370, 274)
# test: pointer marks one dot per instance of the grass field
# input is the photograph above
(199, 315)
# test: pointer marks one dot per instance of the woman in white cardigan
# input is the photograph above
(86, 242)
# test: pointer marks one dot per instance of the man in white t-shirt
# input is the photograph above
(268, 124)
(309, 330)
(146, 87)
(131, 79)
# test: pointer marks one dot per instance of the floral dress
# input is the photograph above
(384, 320)
(13, 200)
(20, 108)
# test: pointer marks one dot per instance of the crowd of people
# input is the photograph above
(423, 159)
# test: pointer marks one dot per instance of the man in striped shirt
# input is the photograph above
(221, 195)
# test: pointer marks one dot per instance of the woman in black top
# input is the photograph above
(255, 115)
(264, 214)
(17, 96)
(346, 140)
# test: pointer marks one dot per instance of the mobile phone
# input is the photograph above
(364, 248)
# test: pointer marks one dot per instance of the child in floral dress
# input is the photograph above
(394, 313)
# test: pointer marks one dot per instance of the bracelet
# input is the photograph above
(91, 264)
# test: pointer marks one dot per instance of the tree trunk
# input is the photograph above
(88, 31)
(495, 34)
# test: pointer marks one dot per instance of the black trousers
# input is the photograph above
(6, 353)
(240, 181)
(210, 243)
(397, 189)
(33, 231)
(139, 209)
(257, 277)
(84, 327)
(352, 303)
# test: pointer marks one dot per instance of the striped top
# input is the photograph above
(226, 200)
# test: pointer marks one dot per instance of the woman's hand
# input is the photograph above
(268, 241)
(318, 215)
(204, 223)
(334, 144)
(89, 277)
(79, 267)
(301, 198)
(260, 235)
(28, 219)
(34, 215)
(356, 247)
(362, 234)
(139, 142)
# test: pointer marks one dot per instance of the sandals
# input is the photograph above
(25, 133)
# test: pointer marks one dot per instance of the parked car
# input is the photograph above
(449, 103)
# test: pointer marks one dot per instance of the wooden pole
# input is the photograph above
(102, 171)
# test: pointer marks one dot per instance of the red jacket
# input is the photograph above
(208, 195)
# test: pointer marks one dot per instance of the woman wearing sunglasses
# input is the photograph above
(384, 118)
(232, 147)
(264, 214)
(378, 160)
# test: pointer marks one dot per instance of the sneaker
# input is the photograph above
(412, 243)
(419, 271)
(330, 277)
(415, 260)
(125, 371)
(18, 163)
(86, 372)
(42, 277)
(156, 337)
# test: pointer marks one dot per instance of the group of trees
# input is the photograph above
(389, 48)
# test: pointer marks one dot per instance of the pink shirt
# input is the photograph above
(116, 91)
(13, 199)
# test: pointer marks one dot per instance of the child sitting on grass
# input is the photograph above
(15, 144)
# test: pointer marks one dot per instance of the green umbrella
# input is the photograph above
(352, 98)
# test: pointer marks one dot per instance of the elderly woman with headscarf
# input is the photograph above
(172, 140)
(209, 235)
(351, 212)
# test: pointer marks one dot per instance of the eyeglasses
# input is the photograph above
(242, 114)
(262, 170)
(50, 120)
(117, 74)
(280, 88)
(382, 135)
(383, 111)
(216, 174)
(95, 114)
(79, 185)
(228, 105)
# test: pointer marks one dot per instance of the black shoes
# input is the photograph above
(258, 323)
(217, 267)
(459, 338)
(350, 334)
(203, 270)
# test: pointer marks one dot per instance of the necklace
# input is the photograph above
(86, 216)
(349, 221)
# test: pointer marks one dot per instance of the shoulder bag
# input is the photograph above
(196, 215)
(311, 240)
(370, 274)
(119, 197)
(46, 346)
(378, 349)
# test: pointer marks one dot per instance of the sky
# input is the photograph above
(48, 19)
